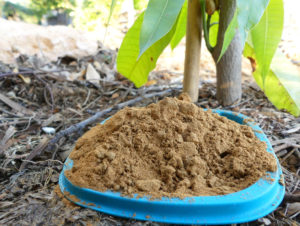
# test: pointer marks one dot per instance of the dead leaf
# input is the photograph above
(77, 75)
(293, 208)
(253, 63)
(110, 74)
(92, 75)
(150, 83)
(26, 80)
(97, 65)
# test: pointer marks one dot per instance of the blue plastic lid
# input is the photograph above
(246, 205)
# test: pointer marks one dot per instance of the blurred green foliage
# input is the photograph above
(86, 14)
(92, 13)
(140, 4)
(11, 10)
(34, 10)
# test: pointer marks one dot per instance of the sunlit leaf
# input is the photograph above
(137, 68)
(267, 34)
(282, 83)
(249, 14)
(181, 26)
(140, 4)
(213, 30)
(160, 16)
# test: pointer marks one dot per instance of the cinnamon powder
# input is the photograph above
(171, 149)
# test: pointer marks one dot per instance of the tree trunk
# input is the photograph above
(192, 50)
(229, 87)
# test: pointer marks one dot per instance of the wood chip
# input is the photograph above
(92, 75)
(8, 134)
(293, 130)
(14, 105)
(37, 151)
(54, 118)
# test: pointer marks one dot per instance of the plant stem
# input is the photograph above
(206, 26)
(229, 84)
(192, 50)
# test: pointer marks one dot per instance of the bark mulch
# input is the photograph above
(38, 108)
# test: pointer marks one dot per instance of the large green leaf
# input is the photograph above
(267, 34)
(181, 26)
(249, 13)
(160, 16)
(129, 64)
(282, 84)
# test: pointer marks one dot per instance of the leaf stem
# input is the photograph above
(206, 26)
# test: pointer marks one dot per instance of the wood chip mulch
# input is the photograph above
(34, 107)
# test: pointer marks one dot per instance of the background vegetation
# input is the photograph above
(85, 14)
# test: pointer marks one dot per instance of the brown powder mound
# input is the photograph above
(173, 149)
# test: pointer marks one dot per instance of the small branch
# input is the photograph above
(291, 198)
(27, 73)
(284, 146)
(81, 125)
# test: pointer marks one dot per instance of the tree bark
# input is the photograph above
(192, 50)
(229, 84)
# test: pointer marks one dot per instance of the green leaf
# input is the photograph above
(213, 30)
(267, 34)
(136, 68)
(229, 34)
(249, 14)
(160, 16)
(282, 84)
(181, 26)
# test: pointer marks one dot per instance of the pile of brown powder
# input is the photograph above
(173, 149)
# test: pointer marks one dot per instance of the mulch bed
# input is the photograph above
(36, 103)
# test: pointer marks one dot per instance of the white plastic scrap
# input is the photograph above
(48, 130)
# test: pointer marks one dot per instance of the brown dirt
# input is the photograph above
(172, 149)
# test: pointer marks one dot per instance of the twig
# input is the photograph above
(284, 146)
(288, 155)
(286, 140)
(291, 198)
(87, 98)
(81, 125)
(47, 87)
(27, 73)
